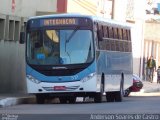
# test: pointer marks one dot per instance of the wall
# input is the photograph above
(27, 8)
(139, 15)
(136, 14)
(12, 65)
(11, 55)
(152, 31)
(120, 10)
(151, 45)
(88, 7)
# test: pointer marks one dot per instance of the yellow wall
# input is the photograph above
(87, 7)
(152, 31)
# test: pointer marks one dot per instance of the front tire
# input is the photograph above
(99, 96)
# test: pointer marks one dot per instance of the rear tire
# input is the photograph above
(119, 95)
(116, 96)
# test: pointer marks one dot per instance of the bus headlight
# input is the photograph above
(90, 76)
(31, 78)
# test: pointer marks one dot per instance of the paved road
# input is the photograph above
(17, 98)
(148, 103)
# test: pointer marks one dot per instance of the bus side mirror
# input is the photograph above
(22, 38)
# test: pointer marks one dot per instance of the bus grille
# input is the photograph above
(66, 72)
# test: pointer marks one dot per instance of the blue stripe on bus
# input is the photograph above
(77, 77)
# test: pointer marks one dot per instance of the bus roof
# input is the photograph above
(94, 18)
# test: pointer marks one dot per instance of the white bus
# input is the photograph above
(69, 56)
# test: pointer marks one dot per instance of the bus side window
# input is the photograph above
(121, 46)
(120, 33)
(127, 38)
(124, 34)
(106, 32)
(129, 35)
(99, 32)
(129, 41)
(115, 33)
(130, 47)
(110, 32)
(117, 43)
(126, 46)
(100, 35)
(113, 45)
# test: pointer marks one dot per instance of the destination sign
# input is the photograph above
(60, 21)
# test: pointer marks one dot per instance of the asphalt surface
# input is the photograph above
(14, 99)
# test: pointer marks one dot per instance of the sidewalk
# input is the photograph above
(149, 87)
(14, 99)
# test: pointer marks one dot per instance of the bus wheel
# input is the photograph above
(63, 100)
(119, 95)
(110, 96)
(40, 99)
(99, 96)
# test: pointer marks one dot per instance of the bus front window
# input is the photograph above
(56, 47)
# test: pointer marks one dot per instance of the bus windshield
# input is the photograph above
(57, 47)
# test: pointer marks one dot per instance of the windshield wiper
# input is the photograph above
(72, 34)
(69, 38)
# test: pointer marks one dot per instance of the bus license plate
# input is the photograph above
(59, 88)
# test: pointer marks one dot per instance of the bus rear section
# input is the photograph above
(114, 57)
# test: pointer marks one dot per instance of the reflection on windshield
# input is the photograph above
(52, 47)
(52, 35)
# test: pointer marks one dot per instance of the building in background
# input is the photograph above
(136, 14)
(14, 14)
(151, 35)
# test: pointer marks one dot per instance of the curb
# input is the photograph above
(10, 101)
(151, 90)
(142, 92)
